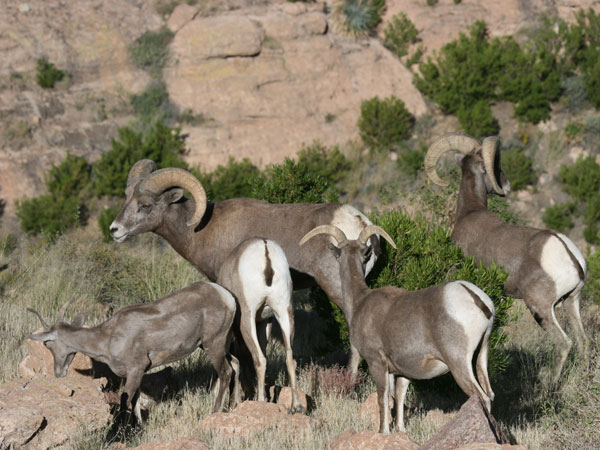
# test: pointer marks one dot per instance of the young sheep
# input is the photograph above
(140, 337)
(258, 275)
(544, 267)
(413, 334)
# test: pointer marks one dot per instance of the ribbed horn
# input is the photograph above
(331, 230)
(451, 141)
(60, 317)
(140, 170)
(162, 179)
(370, 230)
(491, 161)
(44, 324)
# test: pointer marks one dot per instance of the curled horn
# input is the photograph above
(61, 313)
(140, 170)
(451, 141)
(370, 230)
(491, 160)
(162, 179)
(337, 234)
(44, 324)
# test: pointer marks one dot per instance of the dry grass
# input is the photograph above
(44, 276)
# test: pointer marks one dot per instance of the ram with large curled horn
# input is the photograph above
(206, 233)
(411, 334)
(545, 267)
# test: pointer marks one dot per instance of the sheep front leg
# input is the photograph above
(130, 391)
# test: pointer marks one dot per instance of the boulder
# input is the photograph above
(283, 396)
(369, 410)
(181, 444)
(370, 440)
(490, 446)
(251, 417)
(471, 424)
(45, 412)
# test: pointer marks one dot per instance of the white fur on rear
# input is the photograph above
(459, 304)
(351, 221)
(556, 262)
(225, 295)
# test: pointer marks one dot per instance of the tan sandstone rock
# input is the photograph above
(251, 417)
(370, 440)
(45, 412)
(471, 424)
(490, 446)
(181, 444)
(283, 396)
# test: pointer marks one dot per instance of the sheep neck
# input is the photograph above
(354, 287)
(89, 341)
(472, 195)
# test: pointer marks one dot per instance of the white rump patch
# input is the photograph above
(557, 263)
(459, 304)
(481, 294)
(224, 294)
(351, 221)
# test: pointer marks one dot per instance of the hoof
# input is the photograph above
(298, 409)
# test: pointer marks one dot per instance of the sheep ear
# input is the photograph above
(43, 336)
(335, 250)
(78, 321)
(172, 195)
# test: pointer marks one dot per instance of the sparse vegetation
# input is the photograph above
(47, 74)
(357, 18)
(518, 168)
(150, 51)
(400, 34)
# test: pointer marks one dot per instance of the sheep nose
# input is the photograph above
(113, 230)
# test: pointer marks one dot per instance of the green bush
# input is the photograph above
(152, 104)
(560, 217)
(574, 129)
(410, 161)
(591, 290)
(230, 181)
(518, 168)
(474, 70)
(105, 218)
(68, 186)
(357, 17)
(163, 145)
(383, 124)
(47, 75)
(330, 164)
(400, 34)
(426, 257)
(591, 218)
(150, 51)
(291, 182)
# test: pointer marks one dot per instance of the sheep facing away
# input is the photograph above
(412, 334)
(140, 337)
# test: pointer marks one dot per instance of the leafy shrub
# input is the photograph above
(411, 161)
(400, 34)
(105, 218)
(575, 94)
(357, 17)
(559, 217)
(592, 282)
(574, 129)
(591, 218)
(163, 145)
(230, 181)
(330, 164)
(518, 168)
(384, 123)
(152, 104)
(474, 70)
(47, 74)
(291, 182)
(150, 51)
(64, 206)
(426, 257)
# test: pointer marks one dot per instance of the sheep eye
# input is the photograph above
(145, 207)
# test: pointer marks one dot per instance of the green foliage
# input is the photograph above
(64, 206)
(105, 218)
(357, 17)
(230, 181)
(163, 145)
(292, 182)
(400, 34)
(330, 164)
(582, 182)
(152, 104)
(150, 51)
(47, 75)
(518, 168)
(560, 216)
(383, 124)
(410, 161)
(591, 290)
(427, 257)
(474, 70)
(574, 129)
(432, 2)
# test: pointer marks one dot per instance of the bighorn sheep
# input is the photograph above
(545, 268)
(205, 234)
(258, 275)
(413, 334)
(140, 337)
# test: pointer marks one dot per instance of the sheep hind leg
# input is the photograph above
(379, 371)
(462, 371)
(249, 333)
(217, 354)
(548, 321)
(400, 394)
(286, 323)
(482, 364)
(571, 305)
